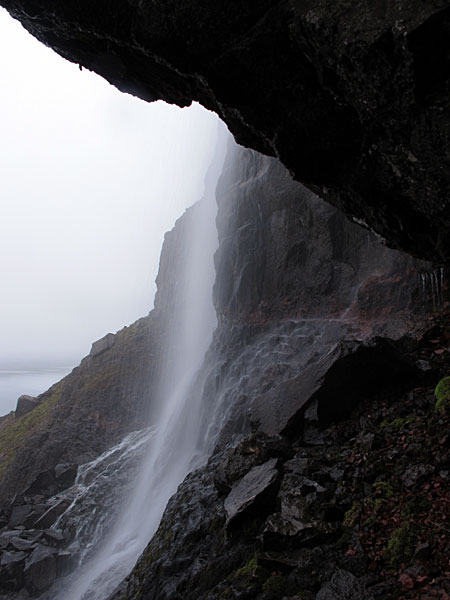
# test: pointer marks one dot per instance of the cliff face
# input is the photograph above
(328, 442)
(312, 313)
(298, 289)
(108, 395)
(352, 96)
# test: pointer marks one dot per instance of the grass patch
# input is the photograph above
(442, 394)
(14, 431)
(400, 547)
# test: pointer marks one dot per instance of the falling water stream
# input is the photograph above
(204, 395)
(149, 465)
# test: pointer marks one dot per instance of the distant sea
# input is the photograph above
(33, 382)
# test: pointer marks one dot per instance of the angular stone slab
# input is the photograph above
(10, 558)
(49, 517)
(258, 482)
(40, 569)
(103, 344)
(337, 382)
(19, 515)
(25, 404)
(344, 586)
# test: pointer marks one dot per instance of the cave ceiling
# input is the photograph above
(351, 95)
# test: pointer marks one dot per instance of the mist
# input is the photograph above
(90, 180)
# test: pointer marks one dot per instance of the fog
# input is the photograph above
(90, 179)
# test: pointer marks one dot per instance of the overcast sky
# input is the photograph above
(90, 179)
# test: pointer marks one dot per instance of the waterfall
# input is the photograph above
(113, 542)
(293, 280)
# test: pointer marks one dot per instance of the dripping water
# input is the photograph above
(432, 285)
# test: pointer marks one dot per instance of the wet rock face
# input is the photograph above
(347, 520)
(257, 487)
(285, 253)
(303, 296)
(351, 96)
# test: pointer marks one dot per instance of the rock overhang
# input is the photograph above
(351, 96)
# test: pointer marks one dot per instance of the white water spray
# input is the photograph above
(172, 448)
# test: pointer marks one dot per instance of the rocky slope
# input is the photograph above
(107, 396)
(353, 509)
(309, 305)
(330, 476)
(93, 406)
(351, 96)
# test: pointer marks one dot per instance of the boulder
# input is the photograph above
(21, 545)
(65, 474)
(335, 383)
(344, 586)
(54, 537)
(25, 404)
(19, 514)
(43, 484)
(38, 511)
(40, 569)
(11, 570)
(10, 558)
(282, 533)
(103, 344)
(65, 563)
(258, 485)
(50, 516)
(415, 473)
(294, 525)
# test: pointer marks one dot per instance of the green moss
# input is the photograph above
(442, 393)
(15, 431)
(352, 515)
(401, 544)
(400, 422)
(384, 489)
(248, 569)
(101, 381)
(251, 569)
(369, 522)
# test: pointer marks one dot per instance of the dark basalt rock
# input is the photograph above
(295, 310)
(415, 473)
(256, 488)
(53, 480)
(105, 343)
(305, 315)
(25, 404)
(19, 514)
(327, 539)
(344, 586)
(40, 569)
(53, 537)
(51, 514)
(20, 544)
(11, 570)
(10, 558)
(351, 96)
